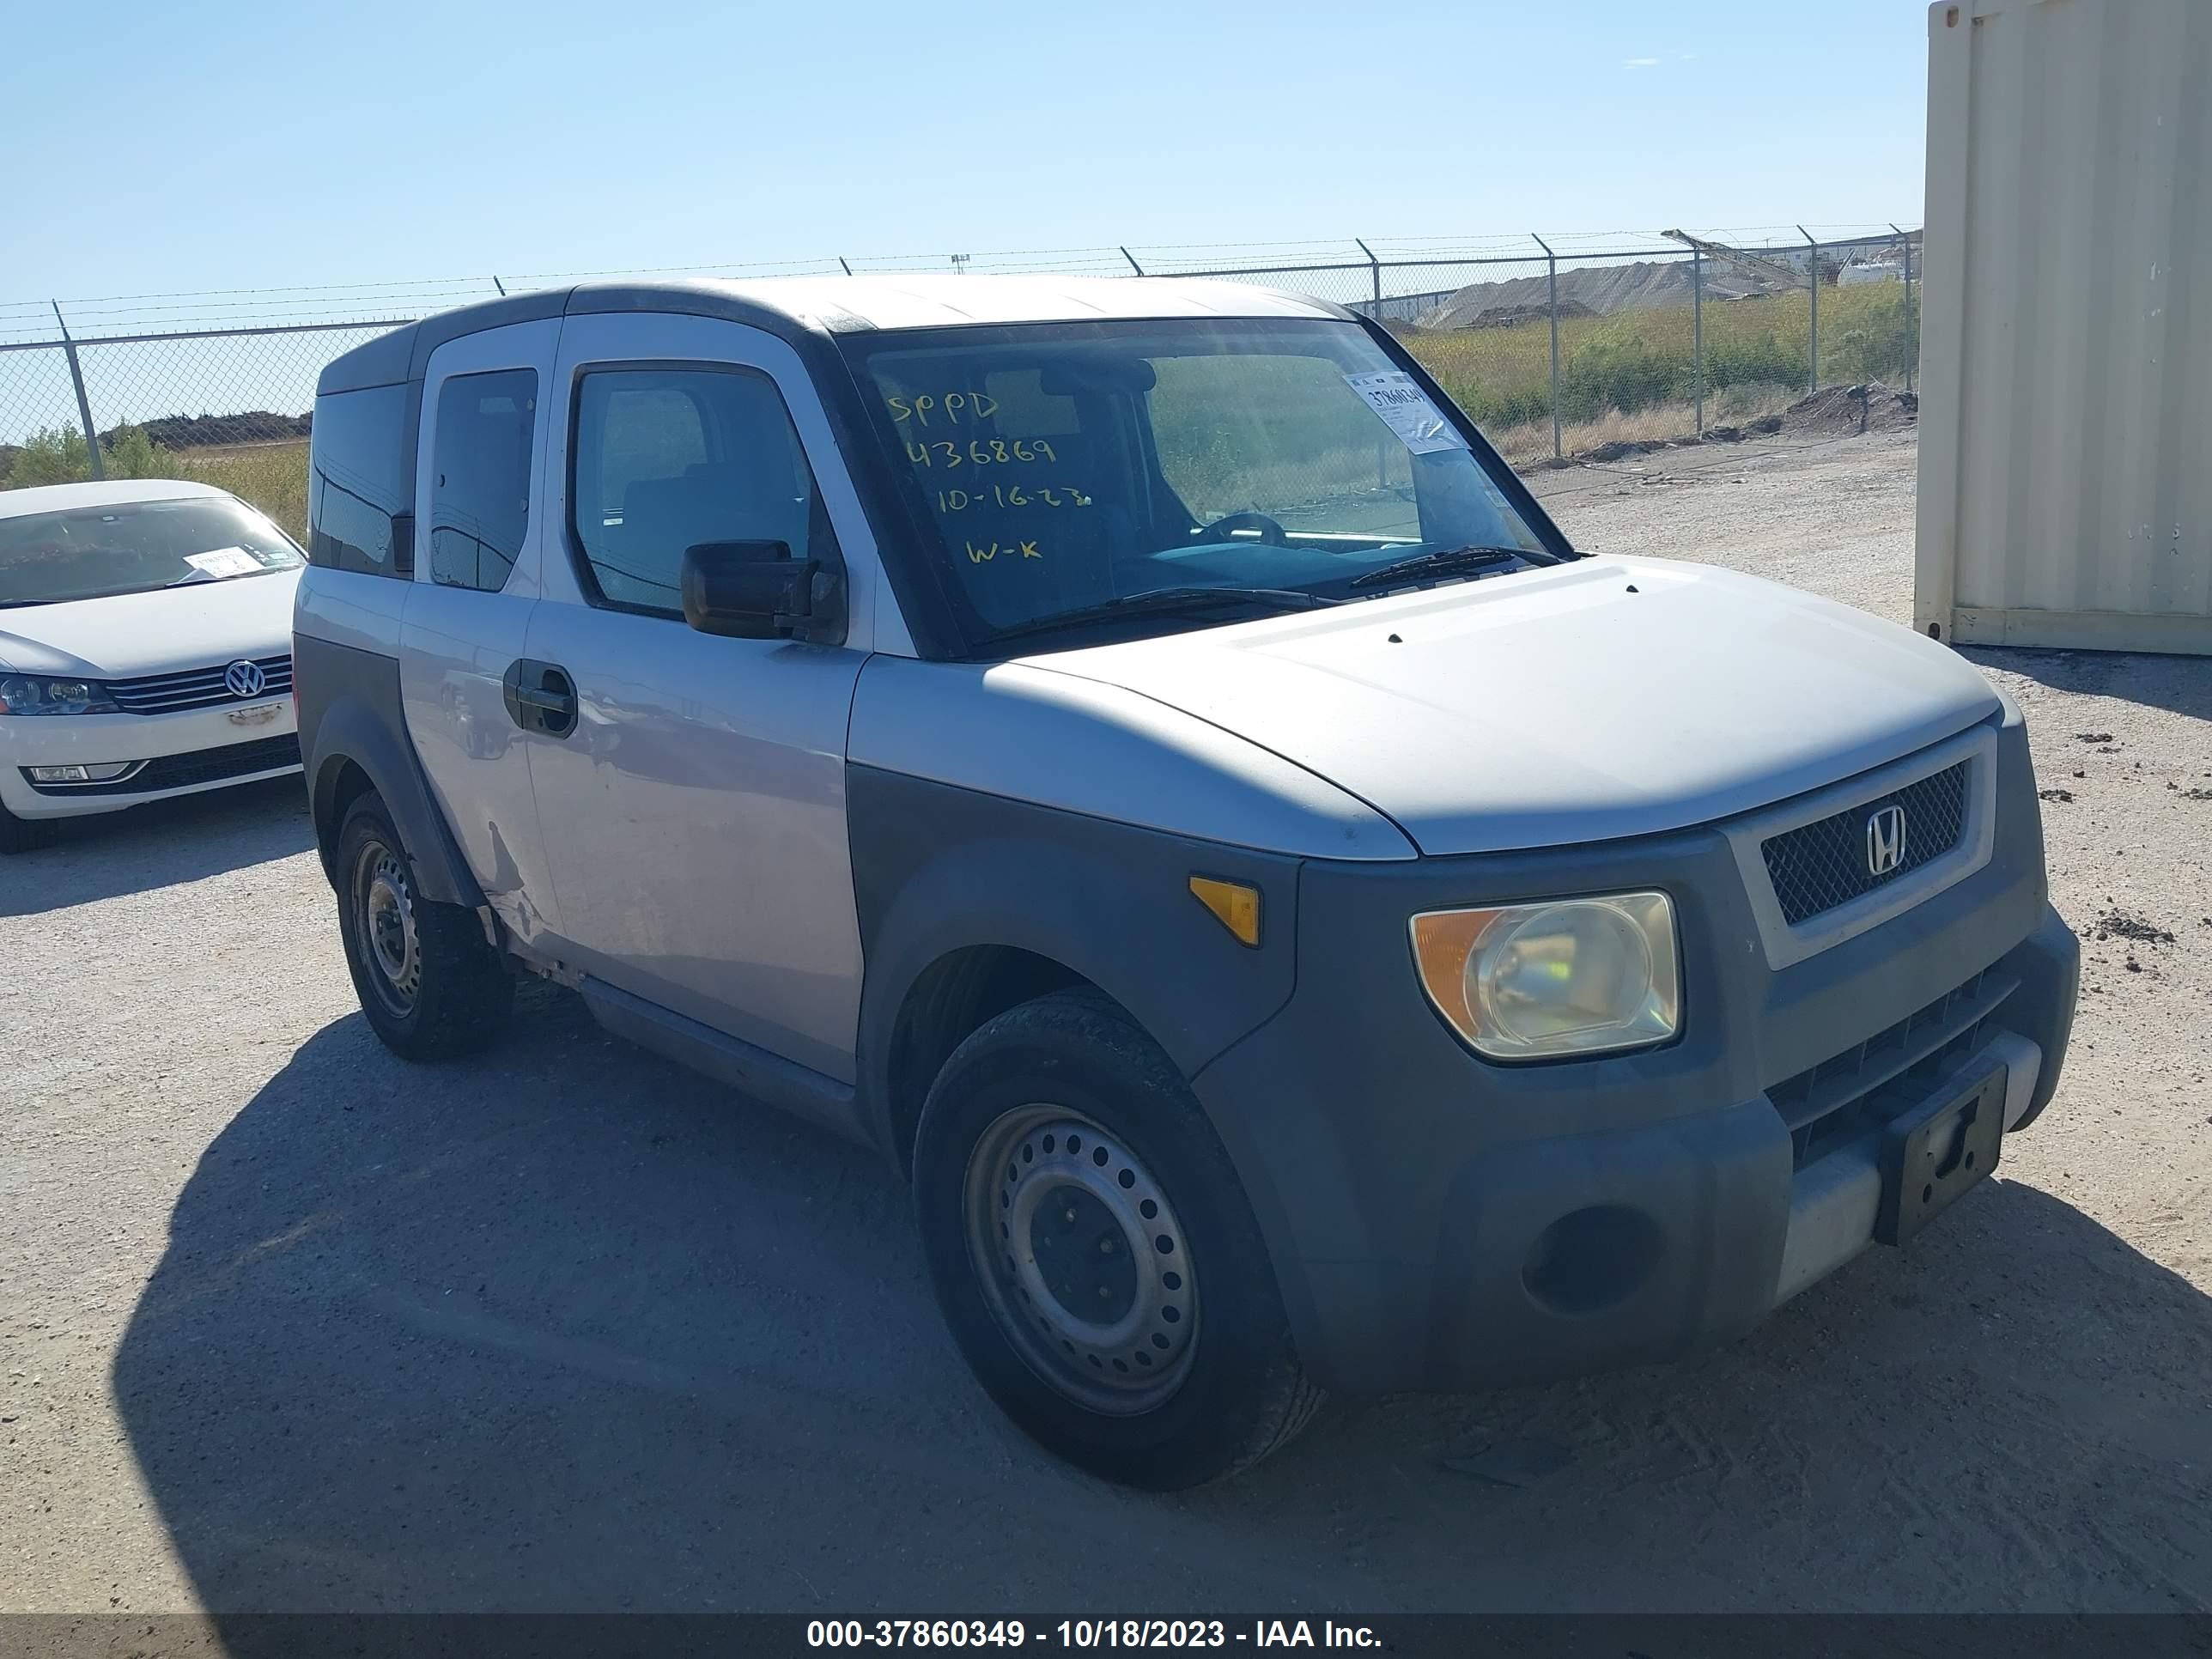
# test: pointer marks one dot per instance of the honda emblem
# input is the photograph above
(1885, 840)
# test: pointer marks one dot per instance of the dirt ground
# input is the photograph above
(287, 1324)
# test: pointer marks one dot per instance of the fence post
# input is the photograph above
(1374, 270)
(1812, 354)
(83, 403)
(1698, 329)
(1910, 354)
(1552, 270)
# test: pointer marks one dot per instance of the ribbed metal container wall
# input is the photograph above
(2066, 412)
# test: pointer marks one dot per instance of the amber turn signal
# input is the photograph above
(1236, 906)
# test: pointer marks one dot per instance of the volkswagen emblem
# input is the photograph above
(1885, 840)
(244, 679)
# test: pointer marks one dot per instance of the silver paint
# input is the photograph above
(455, 648)
(1022, 730)
(1592, 701)
(695, 820)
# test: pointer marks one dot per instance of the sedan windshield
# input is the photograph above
(1067, 467)
(95, 552)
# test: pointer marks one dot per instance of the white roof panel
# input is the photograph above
(845, 304)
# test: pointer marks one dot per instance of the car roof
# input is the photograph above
(836, 305)
(54, 498)
(850, 304)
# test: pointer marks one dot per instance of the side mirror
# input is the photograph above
(749, 590)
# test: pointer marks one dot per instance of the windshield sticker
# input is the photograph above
(1406, 411)
(224, 562)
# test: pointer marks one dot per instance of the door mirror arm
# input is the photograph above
(826, 615)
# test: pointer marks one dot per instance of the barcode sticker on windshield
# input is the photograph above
(224, 562)
(1406, 411)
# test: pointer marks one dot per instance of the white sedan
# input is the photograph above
(145, 648)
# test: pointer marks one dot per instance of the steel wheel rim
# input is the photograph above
(1098, 1296)
(390, 946)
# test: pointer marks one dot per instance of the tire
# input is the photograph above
(431, 984)
(1061, 1157)
(22, 834)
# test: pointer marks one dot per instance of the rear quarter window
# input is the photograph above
(361, 480)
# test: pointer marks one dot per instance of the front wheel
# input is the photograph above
(22, 834)
(431, 984)
(1094, 1254)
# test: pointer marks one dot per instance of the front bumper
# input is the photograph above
(1437, 1223)
(169, 755)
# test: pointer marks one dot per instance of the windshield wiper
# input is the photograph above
(1440, 562)
(199, 576)
(1169, 599)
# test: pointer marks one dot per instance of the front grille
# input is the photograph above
(235, 760)
(197, 688)
(1871, 1082)
(1819, 865)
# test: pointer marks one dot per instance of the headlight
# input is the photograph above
(1565, 976)
(27, 693)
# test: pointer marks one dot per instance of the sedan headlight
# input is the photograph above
(1564, 977)
(30, 694)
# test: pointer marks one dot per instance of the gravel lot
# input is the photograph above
(287, 1324)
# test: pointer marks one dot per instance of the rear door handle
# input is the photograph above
(540, 696)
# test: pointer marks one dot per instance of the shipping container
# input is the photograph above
(2066, 392)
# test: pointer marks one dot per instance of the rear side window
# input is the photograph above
(668, 459)
(480, 484)
(361, 480)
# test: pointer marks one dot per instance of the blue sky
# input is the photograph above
(159, 148)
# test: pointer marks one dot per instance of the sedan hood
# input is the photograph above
(1584, 702)
(199, 625)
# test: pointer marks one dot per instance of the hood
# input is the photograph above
(1584, 702)
(200, 625)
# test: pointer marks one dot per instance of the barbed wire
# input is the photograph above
(96, 315)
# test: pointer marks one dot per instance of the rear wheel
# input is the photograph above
(431, 984)
(1094, 1254)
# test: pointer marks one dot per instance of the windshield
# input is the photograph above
(1068, 466)
(93, 552)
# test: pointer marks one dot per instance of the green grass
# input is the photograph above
(1640, 359)
(58, 455)
(273, 476)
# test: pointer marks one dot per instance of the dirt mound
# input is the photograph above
(1871, 407)
(1736, 434)
(198, 431)
(2119, 924)
(1512, 316)
(1584, 290)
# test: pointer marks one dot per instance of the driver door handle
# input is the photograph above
(540, 696)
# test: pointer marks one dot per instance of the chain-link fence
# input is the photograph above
(1560, 346)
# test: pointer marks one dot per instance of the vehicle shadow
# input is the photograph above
(2181, 685)
(159, 845)
(564, 1328)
